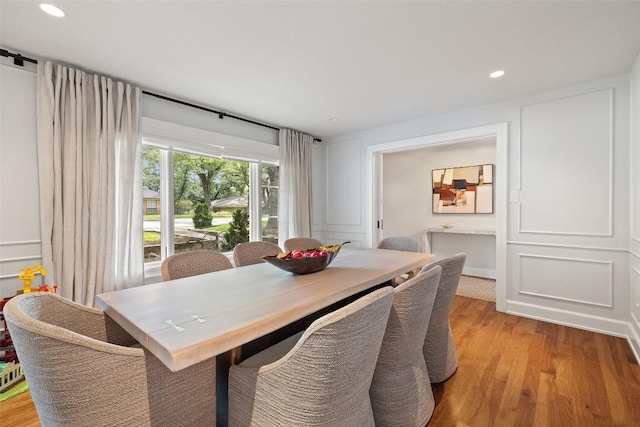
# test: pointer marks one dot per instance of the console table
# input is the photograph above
(453, 230)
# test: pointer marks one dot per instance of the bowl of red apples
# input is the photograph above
(304, 261)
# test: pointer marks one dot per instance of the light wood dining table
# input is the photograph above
(185, 321)
(222, 310)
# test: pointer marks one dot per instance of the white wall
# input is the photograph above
(568, 179)
(19, 206)
(407, 206)
(635, 204)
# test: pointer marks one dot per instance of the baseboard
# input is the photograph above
(479, 272)
(571, 319)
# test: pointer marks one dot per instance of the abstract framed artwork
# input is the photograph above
(464, 189)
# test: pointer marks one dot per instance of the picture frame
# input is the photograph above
(463, 189)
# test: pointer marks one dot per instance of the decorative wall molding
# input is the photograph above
(608, 264)
(22, 258)
(21, 242)
(561, 233)
(350, 184)
(559, 245)
(9, 276)
(26, 259)
(609, 232)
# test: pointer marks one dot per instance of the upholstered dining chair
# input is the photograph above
(319, 377)
(439, 349)
(249, 253)
(301, 243)
(193, 263)
(401, 243)
(400, 390)
(82, 370)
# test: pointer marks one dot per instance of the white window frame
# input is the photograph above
(170, 138)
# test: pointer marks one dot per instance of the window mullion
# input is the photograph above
(255, 205)
(166, 199)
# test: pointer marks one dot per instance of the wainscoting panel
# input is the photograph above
(569, 279)
(344, 184)
(14, 256)
(556, 198)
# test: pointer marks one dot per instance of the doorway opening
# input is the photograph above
(375, 205)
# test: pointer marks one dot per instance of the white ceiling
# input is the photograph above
(297, 64)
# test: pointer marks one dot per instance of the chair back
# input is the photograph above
(400, 243)
(301, 243)
(81, 370)
(324, 379)
(400, 390)
(249, 253)
(193, 263)
(439, 348)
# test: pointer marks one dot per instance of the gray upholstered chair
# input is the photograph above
(321, 377)
(439, 349)
(193, 263)
(81, 370)
(301, 243)
(401, 391)
(401, 243)
(249, 253)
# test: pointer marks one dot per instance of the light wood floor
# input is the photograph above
(512, 372)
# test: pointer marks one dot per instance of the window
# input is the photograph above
(203, 199)
(151, 206)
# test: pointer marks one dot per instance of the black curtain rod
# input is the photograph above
(221, 114)
(19, 60)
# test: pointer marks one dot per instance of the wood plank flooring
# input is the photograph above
(515, 371)
(512, 372)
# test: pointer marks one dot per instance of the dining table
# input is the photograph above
(185, 321)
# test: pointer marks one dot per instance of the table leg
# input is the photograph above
(223, 363)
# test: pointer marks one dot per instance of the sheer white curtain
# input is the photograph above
(89, 148)
(294, 197)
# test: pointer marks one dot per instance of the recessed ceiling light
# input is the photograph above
(333, 119)
(52, 10)
(496, 74)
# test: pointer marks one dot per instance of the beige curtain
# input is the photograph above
(294, 196)
(89, 149)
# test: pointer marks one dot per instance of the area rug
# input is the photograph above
(477, 288)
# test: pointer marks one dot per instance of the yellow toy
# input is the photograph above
(28, 275)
